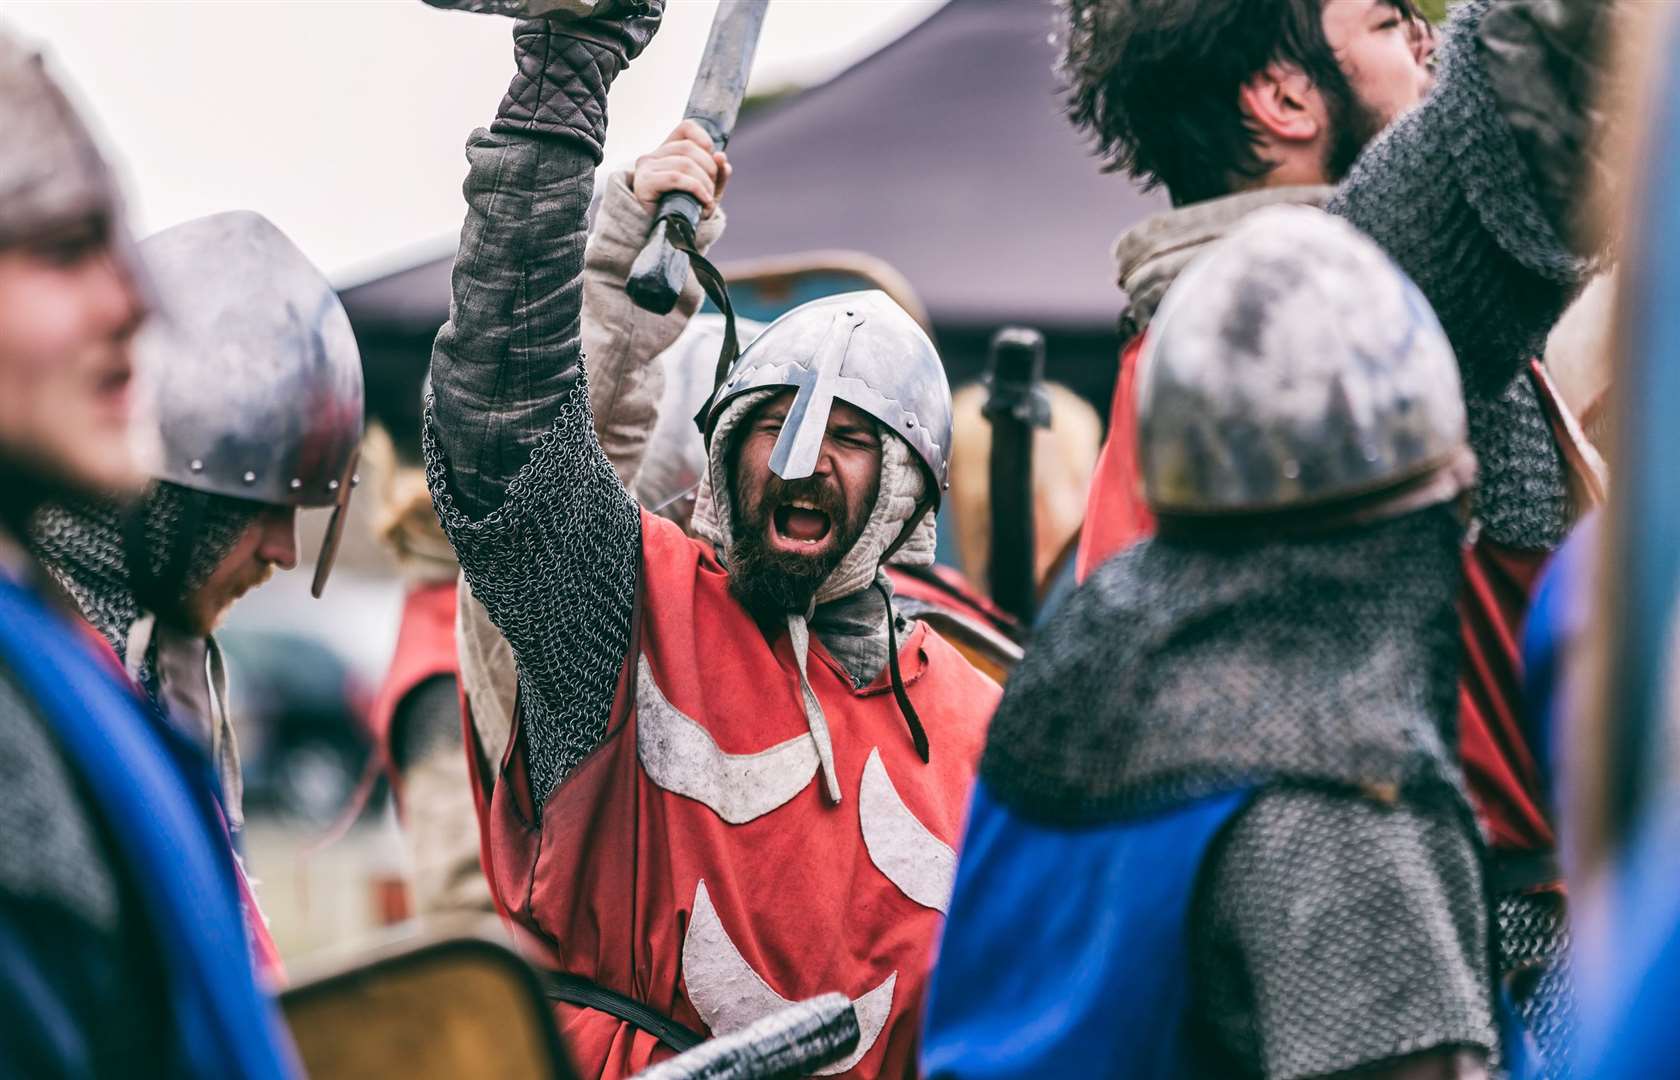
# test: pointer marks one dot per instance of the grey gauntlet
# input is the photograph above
(566, 67)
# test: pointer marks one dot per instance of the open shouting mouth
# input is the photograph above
(800, 525)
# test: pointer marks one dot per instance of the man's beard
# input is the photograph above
(771, 583)
(1353, 124)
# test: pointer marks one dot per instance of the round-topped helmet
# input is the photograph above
(1295, 372)
(856, 347)
(254, 378)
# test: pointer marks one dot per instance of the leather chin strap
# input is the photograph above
(918, 733)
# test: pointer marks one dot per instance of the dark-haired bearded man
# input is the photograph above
(1473, 189)
(736, 774)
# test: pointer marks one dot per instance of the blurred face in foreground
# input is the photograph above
(68, 313)
(269, 541)
(791, 534)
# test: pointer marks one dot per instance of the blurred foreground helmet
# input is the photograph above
(52, 174)
(1294, 371)
(254, 377)
(675, 459)
(857, 347)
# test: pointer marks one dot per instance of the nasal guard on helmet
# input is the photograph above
(857, 347)
(254, 378)
(1294, 368)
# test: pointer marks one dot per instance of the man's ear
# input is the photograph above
(1283, 103)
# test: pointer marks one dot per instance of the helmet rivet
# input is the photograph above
(355, 478)
(1292, 469)
(249, 477)
(332, 485)
(196, 465)
(296, 484)
(911, 422)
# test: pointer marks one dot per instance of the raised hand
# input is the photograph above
(685, 161)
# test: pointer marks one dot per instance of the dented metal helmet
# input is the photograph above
(52, 174)
(1293, 367)
(254, 379)
(857, 347)
(675, 459)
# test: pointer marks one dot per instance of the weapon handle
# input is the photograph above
(660, 271)
(791, 1043)
(1015, 406)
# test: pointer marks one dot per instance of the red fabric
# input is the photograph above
(1116, 517)
(425, 649)
(1498, 764)
(607, 874)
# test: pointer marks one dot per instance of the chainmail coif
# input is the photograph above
(1178, 670)
(82, 543)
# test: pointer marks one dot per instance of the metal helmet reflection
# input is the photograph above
(1294, 366)
(254, 378)
(857, 347)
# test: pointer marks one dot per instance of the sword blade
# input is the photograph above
(721, 81)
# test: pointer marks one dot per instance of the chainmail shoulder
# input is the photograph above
(83, 546)
(1534, 963)
(1179, 670)
(1450, 197)
(1331, 933)
(63, 892)
(52, 854)
(1522, 496)
(555, 567)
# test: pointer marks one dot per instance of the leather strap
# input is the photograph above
(680, 231)
(586, 993)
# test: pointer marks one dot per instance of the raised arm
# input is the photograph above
(1472, 193)
(547, 536)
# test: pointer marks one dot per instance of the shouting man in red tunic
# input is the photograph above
(736, 774)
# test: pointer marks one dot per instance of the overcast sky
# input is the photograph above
(344, 120)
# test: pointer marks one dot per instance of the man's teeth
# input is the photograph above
(804, 504)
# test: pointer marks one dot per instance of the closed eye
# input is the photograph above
(856, 437)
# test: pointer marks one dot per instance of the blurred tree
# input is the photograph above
(1434, 10)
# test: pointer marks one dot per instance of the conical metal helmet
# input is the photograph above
(1295, 366)
(857, 347)
(52, 173)
(254, 378)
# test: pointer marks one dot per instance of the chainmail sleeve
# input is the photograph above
(1457, 199)
(1332, 933)
(546, 535)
